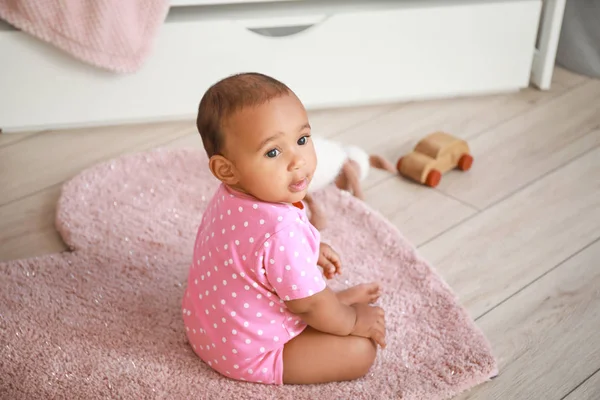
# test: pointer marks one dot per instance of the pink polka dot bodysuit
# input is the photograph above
(249, 257)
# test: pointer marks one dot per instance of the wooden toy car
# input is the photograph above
(433, 156)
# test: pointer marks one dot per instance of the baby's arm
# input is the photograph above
(324, 312)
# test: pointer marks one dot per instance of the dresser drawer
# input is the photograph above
(362, 55)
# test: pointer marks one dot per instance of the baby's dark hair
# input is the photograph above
(226, 97)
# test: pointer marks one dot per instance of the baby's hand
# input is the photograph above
(370, 323)
(329, 260)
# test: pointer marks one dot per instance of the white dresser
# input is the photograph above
(332, 53)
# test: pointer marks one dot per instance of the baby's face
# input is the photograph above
(271, 150)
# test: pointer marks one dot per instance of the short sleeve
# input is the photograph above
(290, 262)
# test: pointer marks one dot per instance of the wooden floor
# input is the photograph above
(517, 237)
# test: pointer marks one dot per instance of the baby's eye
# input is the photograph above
(302, 141)
(272, 153)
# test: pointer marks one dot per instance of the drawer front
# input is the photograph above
(350, 58)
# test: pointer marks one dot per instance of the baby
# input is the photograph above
(256, 307)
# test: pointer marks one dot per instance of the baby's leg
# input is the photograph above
(364, 293)
(318, 357)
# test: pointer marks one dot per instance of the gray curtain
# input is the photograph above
(579, 43)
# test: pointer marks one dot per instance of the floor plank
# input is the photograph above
(547, 334)
(50, 158)
(589, 390)
(7, 138)
(491, 256)
(27, 226)
(519, 151)
(418, 212)
(331, 122)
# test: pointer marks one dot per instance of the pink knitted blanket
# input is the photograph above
(112, 34)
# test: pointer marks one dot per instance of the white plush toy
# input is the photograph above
(344, 165)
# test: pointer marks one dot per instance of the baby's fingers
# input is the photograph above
(379, 338)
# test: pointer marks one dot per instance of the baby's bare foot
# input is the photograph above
(363, 293)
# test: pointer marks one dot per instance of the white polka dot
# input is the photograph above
(233, 227)
(262, 350)
(224, 339)
(271, 303)
(281, 309)
(259, 314)
(279, 280)
(234, 276)
(215, 288)
(267, 243)
(310, 292)
(240, 209)
(262, 221)
(221, 216)
(234, 351)
(250, 371)
(272, 261)
(224, 358)
(255, 206)
(243, 258)
(216, 269)
(237, 242)
(296, 254)
(294, 287)
(302, 273)
(272, 321)
(225, 247)
(203, 258)
(234, 332)
(233, 313)
(281, 248)
(276, 339)
(224, 282)
(246, 324)
(241, 273)
(259, 296)
(233, 294)
(202, 277)
(287, 268)
(206, 311)
(247, 287)
(230, 261)
(208, 274)
(264, 370)
(316, 278)
(246, 305)
(195, 281)
(260, 332)
(228, 212)
(248, 341)
(236, 366)
(226, 263)
(308, 259)
(223, 231)
(280, 218)
(209, 363)
(287, 298)
(246, 224)
(251, 240)
(200, 296)
(214, 308)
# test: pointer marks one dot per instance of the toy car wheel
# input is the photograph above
(465, 162)
(433, 178)
(399, 163)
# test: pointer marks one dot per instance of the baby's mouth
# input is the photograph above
(299, 186)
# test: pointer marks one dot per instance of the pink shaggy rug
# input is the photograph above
(104, 320)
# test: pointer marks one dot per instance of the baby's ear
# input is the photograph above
(222, 169)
